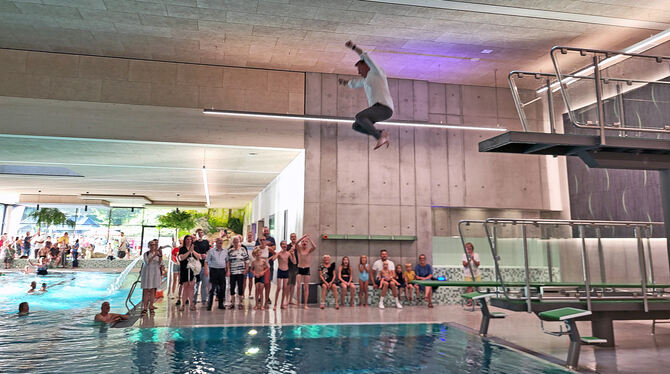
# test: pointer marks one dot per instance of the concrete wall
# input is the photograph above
(125, 81)
(349, 189)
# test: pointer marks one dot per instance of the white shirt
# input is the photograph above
(378, 266)
(466, 269)
(37, 245)
(375, 84)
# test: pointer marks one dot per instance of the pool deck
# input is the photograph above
(637, 350)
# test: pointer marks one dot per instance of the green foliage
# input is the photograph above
(50, 217)
(211, 221)
(235, 225)
(177, 219)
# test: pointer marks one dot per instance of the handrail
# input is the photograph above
(638, 227)
(519, 104)
(610, 57)
(571, 222)
(132, 289)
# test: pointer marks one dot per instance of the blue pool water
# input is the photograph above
(61, 337)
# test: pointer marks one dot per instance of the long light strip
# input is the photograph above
(345, 120)
(204, 182)
(642, 46)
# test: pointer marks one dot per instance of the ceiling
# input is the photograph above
(158, 171)
(435, 40)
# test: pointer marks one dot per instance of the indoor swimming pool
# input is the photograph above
(60, 335)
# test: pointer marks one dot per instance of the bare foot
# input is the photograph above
(306, 307)
(275, 307)
(291, 303)
(337, 306)
(322, 306)
(383, 140)
(255, 307)
(284, 306)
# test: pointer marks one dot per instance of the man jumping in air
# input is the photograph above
(377, 91)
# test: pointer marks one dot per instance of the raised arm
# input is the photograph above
(311, 242)
(364, 56)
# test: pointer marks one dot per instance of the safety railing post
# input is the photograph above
(601, 256)
(599, 98)
(585, 268)
(643, 266)
(550, 105)
(526, 267)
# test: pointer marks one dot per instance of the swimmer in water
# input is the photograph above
(24, 309)
(44, 287)
(33, 286)
(106, 316)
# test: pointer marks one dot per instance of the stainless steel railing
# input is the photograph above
(559, 82)
(601, 60)
(641, 229)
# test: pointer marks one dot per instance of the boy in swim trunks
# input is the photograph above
(259, 266)
(304, 258)
(283, 258)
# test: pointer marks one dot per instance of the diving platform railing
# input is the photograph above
(595, 83)
(586, 290)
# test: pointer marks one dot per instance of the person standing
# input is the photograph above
(377, 92)
(38, 243)
(75, 254)
(292, 268)
(238, 266)
(151, 276)
(26, 245)
(272, 248)
(471, 262)
(123, 246)
(201, 246)
(264, 252)
(186, 275)
(249, 244)
(176, 269)
(216, 267)
(304, 251)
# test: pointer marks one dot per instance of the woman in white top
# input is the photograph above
(151, 276)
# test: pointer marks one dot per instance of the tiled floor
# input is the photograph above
(637, 351)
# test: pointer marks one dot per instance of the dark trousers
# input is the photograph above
(217, 277)
(365, 119)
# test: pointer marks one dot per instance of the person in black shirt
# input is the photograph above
(186, 275)
(201, 246)
(292, 269)
(328, 281)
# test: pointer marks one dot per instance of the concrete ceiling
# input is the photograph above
(158, 171)
(433, 40)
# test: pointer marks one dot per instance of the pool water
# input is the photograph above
(61, 337)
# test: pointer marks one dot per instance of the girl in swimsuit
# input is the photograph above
(344, 274)
(363, 279)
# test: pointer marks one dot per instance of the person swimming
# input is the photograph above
(24, 309)
(33, 286)
(44, 287)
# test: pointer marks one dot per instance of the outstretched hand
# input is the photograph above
(349, 44)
